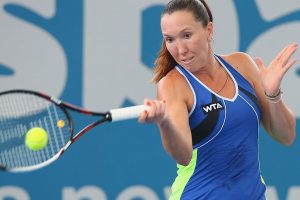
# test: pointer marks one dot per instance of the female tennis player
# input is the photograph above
(210, 107)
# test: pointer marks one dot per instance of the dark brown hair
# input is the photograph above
(200, 10)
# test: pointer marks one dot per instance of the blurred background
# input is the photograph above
(99, 55)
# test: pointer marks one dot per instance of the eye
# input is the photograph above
(187, 35)
(168, 39)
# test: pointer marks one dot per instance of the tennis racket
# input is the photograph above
(22, 110)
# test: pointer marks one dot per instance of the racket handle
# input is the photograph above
(127, 112)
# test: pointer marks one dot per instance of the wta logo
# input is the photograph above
(212, 107)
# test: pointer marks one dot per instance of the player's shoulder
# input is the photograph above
(242, 62)
(239, 59)
(173, 83)
(173, 78)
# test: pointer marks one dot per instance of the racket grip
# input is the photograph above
(127, 112)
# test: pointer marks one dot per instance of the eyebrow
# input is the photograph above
(182, 31)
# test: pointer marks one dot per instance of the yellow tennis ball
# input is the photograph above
(36, 138)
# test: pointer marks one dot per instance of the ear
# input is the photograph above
(210, 31)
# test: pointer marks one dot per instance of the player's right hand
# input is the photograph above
(157, 112)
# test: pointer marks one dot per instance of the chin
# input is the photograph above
(189, 68)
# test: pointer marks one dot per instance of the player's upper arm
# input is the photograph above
(175, 91)
(176, 133)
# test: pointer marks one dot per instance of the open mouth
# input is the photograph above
(187, 60)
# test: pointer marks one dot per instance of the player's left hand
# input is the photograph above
(273, 74)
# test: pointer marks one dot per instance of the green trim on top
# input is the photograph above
(262, 180)
(184, 173)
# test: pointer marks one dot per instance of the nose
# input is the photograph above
(181, 48)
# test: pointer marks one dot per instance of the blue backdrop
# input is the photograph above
(100, 55)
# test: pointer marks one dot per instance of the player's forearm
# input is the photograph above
(282, 123)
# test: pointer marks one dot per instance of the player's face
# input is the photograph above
(186, 39)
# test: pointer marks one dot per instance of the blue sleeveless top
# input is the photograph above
(225, 163)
